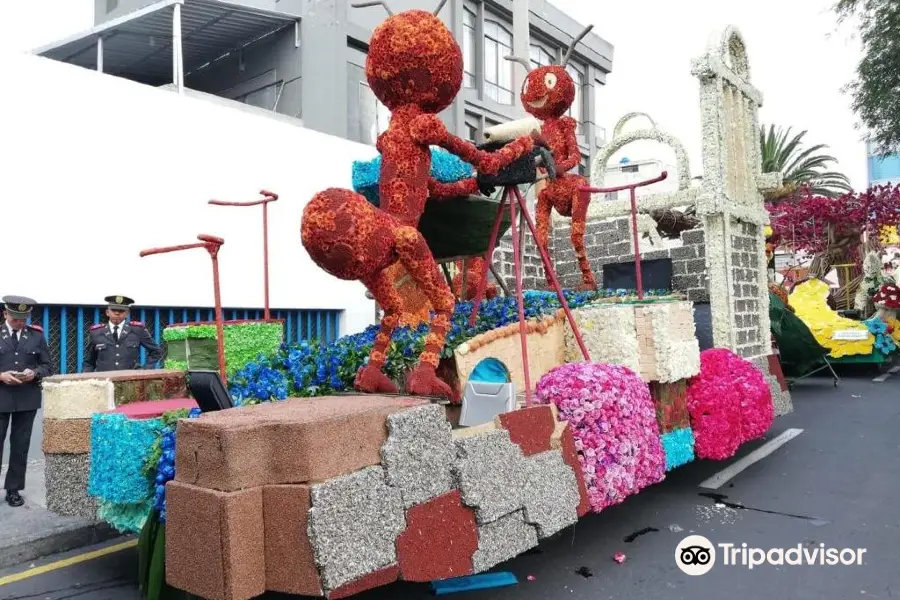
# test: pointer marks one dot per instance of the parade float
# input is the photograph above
(856, 321)
(433, 448)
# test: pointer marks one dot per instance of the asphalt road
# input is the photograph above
(836, 484)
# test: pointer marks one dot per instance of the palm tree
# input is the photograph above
(799, 166)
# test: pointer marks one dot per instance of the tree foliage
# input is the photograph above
(799, 166)
(874, 90)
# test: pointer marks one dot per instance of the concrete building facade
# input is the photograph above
(305, 59)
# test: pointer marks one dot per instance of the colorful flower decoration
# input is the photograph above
(884, 340)
(119, 448)
(730, 403)
(614, 424)
(679, 447)
(165, 470)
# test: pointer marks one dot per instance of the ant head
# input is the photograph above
(549, 91)
(414, 59)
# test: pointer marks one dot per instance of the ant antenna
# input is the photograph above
(574, 43)
(521, 61)
(376, 3)
(439, 7)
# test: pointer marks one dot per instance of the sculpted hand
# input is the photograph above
(29, 376)
(538, 138)
(9, 379)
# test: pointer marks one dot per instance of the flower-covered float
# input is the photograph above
(310, 487)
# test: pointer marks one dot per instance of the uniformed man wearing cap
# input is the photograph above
(116, 346)
(24, 361)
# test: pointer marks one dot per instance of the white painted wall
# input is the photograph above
(97, 168)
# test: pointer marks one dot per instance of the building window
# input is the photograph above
(497, 70)
(471, 133)
(599, 130)
(576, 111)
(468, 48)
(373, 115)
(539, 57)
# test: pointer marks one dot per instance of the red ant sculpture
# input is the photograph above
(415, 68)
(548, 92)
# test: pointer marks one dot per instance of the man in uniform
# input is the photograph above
(24, 361)
(117, 345)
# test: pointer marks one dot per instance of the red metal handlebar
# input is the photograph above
(630, 186)
(269, 197)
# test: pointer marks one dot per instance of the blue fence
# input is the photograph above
(67, 327)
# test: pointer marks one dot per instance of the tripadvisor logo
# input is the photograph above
(696, 555)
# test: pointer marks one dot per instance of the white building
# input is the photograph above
(103, 167)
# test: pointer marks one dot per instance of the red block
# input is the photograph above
(440, 539)
(529, 428)
(371, 581)
(566, 444)
(775, 369)
(155, 408)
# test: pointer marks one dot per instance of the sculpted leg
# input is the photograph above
(419, 263)
(370, 378)
(579, 217)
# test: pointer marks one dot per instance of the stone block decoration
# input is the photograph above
(320, 496)
(545, 350)
(66, 478)
(193, 345)
(655, 340)
(80, 395)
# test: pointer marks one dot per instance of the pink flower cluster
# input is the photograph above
(613, 421)
(729, 402)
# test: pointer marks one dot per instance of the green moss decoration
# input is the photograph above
(193, 346)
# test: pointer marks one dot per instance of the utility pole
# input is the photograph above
(521, 47)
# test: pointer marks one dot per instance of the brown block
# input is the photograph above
(290, 564)
(385, 576)
(440, 539)
(296, 441)
(566, 444)
(529, 428)
(66, 436)
(215, 544)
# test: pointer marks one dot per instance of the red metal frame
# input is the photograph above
(211, 244)
(513, 196)
(631, 187)
(268, 197)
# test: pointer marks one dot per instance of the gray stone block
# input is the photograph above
(683, 283)
(419, 453)
(66, 479)
(551, 502)
(490, 474)
(353, 526)
(502, 540)
(698, 295)
(620, 249)
(684, 252)
(696, 266)
(679, 267)
(693, 236)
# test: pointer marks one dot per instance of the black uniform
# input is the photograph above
(106, 353)
(20, 403)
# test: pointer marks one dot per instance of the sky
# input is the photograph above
(800, 58)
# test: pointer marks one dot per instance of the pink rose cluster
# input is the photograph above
(729, 403)
(613, 421)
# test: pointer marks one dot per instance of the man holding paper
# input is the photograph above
(24, 361)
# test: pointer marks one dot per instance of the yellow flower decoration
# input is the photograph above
(809, 300)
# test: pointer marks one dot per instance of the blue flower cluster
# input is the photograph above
(884, 343)
(445, 167)
(679, 447)
(312, 368)
(119, 449)
(165, 469)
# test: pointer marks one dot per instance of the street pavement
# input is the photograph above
(837, 484)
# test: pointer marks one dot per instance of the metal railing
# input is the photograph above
(67, 328)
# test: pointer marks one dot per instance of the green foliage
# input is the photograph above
(169, 419)
(799, 166)
(874, 91)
